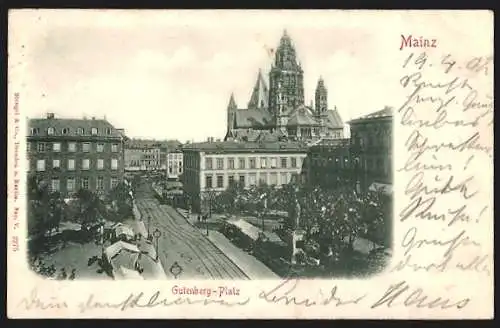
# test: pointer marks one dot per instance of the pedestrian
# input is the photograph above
(199, 218)
(72, 275)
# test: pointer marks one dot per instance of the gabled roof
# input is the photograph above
(302, 116)
(334, 120)
(253, 118)
(70, 127)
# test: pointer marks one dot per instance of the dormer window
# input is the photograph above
(108, 131)
(79, 131)
(34, 131)
(50, 131)
(65, 131)
(93, 131)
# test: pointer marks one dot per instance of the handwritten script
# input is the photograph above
(446, 119)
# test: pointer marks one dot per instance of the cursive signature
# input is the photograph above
(283, 293)
(402, 294)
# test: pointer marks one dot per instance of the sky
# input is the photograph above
(169, 74)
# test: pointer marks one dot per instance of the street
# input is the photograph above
(182, 243)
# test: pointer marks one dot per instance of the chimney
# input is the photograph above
(50, 115)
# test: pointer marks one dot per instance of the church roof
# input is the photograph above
(334, 120)
(253, 118)
(302, 116)
(260, 94)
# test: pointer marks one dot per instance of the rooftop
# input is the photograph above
(387, 112)
(70, 127)
(237, 146)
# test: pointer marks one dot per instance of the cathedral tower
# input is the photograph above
(287, 73)
(321, 98)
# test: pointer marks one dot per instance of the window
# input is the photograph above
(284, 178)
(230, 163)
(252, 163)
(93, 131)
(208, 181)
(56, 164)
(56, 147)
(100, 183)
(85, 183)
(220, 163)
(86, 147)
(55, 184)
(242, 181)
(263, 163)
(100, 148)
(70, 184)
(72, 147)
(273, 179)
(65, 131)
(273, 163)
(114, 182)
(252, 179)
(114, 148)
(100, 164)
(263, 179)
(180, 169)
(71, 164)
(79, 131)
(294, 162)
(40, 165)
(50, 131)
(283, 162)
(34, 131)
(220, 181)
(41, 147)
(208, 163)
(114, 164)
(28, 147)
(85, 164)
(170, 170)
(180, 163)
(230, 180)
(242, 163)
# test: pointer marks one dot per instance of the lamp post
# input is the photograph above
(157, 235)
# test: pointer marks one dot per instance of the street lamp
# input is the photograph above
(157, 235)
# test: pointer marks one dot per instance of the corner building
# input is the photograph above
(73, 154)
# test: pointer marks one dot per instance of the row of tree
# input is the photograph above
(331, 218)
(46, 209)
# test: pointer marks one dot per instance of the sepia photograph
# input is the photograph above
(289, 184)
(278, 164)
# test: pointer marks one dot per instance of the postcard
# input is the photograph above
(311, 164)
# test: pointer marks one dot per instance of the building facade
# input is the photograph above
(280, 109)
(371, 142)
(175, 164)
(142, 155)
(329, 163)
(211, 167)
(73, 154)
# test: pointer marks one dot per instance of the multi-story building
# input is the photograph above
(142, 155)
(73, 154)
(371, 142)
(175, 165)
(329, 163)
(213, 166)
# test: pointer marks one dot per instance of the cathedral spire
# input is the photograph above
(232, 102)
(260, 93)
(321, 97)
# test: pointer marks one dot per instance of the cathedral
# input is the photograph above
(279, 112)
